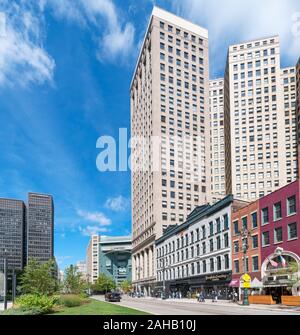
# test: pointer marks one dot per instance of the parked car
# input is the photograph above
(113, 297)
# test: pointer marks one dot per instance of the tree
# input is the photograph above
(73, 282)
(38, 278)
(126, 286)
(104, 283)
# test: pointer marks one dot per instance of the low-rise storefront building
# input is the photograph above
(247, 219)
(196, 256)
(280, 249)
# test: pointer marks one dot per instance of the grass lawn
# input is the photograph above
(95, 307)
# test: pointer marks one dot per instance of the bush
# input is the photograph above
(34, 303)
(21, 311)
(71, 300)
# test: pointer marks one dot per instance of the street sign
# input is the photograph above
(1, 283)
(246, 280)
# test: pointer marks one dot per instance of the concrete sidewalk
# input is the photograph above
(229, 304)
(9, 305)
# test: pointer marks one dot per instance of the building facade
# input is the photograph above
(280, 247)
(217, 146)
(288, 77)
(82, 269)
(196, 256)
(12, 233)
(169, 104)
(40, 227)
(115, 258)
(92, 259)
(254, 119)
(246, 218)
(298, 110)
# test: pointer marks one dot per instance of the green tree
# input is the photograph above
(104, 283)
(73, 282)
(126, 286)
(38, 278)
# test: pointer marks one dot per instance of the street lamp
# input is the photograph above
(5, 279)
(244, 234)
(138, 270)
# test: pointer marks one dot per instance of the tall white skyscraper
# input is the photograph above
(254, 118)
(170, 106)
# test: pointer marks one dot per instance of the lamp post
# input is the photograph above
(138, 270)
(244, 234)
(5, 279)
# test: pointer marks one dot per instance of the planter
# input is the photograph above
(261, 300)
(290, 300)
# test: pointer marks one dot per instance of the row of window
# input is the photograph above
(292, 233)
(213, 264)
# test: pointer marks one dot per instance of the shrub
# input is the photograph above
(34, 303)
(71, 300)
(21, 311)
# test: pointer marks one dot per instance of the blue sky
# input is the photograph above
(65, 71)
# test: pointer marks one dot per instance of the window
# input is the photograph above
(226, 258)
(211, 265)
(292, 231)
(219, 263)
(278, 235)
(226, 222)
(255, 241)
(236, 246)
(204, 266)
(236, 266)
(265, 239)
(255, 263)
(211, 245)
(211, 228)
(244, 222)
(226, 241)
(277, 211)
(218, 225)
(291, 205)
(265, 216)
(218, 243)
(254, 220)
(236, 227)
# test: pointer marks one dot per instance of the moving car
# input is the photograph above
(113, 297)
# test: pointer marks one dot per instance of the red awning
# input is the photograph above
(234, 283)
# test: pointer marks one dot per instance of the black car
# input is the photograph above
(113, 297)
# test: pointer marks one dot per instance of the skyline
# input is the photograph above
(60, 143)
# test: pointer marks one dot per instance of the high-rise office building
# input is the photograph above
(12, 228)
(298, 110)
(169, 102)
(255, 163)
(40, 227)
(289, 96)
(92, 259)
(216, 105)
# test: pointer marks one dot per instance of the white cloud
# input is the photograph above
(115, 36)
(23, 59)
(96, 217)
(237, 21)
(92, 230)
(118, 204)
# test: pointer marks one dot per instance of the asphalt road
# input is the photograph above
(177, 307)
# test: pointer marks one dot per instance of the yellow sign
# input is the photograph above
(246, 279)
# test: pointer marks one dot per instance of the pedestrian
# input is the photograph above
(201, 297)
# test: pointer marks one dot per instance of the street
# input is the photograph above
(192, 307)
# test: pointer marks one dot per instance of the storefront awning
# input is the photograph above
(234, 283)
(255, 283)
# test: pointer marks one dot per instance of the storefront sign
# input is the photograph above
(217, 277)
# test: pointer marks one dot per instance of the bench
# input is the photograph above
(261, 300)
(290, 300)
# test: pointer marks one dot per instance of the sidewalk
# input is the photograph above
(9, 305)
(231, 304)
